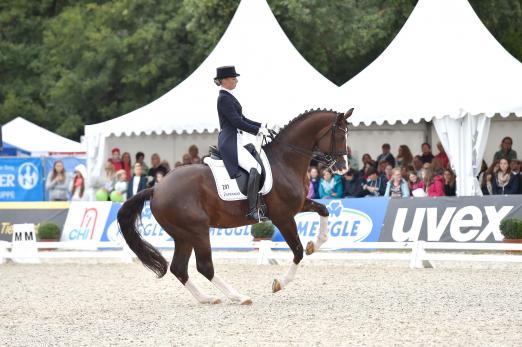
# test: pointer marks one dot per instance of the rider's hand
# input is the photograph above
(263, 131)
(271, 126)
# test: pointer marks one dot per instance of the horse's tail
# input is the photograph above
(127, 216)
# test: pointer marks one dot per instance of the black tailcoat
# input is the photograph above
(231, 120)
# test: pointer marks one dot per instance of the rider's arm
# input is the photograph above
(230, 112)
(252, 122)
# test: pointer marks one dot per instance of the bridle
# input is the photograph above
(326, 158)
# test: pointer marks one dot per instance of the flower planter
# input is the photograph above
(512, 241)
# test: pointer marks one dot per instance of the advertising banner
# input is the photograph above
(151, 231)
(21, 179)
(350, 220)
(69, 163)
(86, 220)
(30, 212)
(449, 219)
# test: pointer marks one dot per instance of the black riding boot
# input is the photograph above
(252, 194)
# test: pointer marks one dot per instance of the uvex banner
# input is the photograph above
(449, 219)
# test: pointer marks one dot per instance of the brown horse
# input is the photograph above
(186, 203)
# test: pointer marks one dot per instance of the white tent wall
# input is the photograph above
(170, 147)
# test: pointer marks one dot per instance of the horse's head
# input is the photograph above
(332, 140)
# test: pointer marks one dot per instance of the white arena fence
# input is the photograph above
(419, 254)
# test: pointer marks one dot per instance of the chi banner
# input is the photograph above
(449, 219)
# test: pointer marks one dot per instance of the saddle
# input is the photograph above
(236, 188)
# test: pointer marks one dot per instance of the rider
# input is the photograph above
(231, 140)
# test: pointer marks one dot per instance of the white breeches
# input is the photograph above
(244, 158)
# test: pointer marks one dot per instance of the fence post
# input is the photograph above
(265, 251)
(3, 252)
(417, 260)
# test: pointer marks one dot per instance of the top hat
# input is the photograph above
(225, 71)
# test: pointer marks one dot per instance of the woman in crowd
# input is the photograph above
(126, 163)
(375, 185)
(193, 151)
(486, 184)
(109, 178)
(388, 172)
(415, 183)
(505, 150)
(397, 187)
(404, 157)
(434, 183)
(78, 183)
(442, 156)
(313, 174)
(449, 183)
(330, 186)
(57, 183)
(504, 181)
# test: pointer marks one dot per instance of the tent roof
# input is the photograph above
(32, 138)
(276, 82)
(443, 62)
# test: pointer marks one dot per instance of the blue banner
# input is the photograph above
(21, 179)
(69, 163)
(351, 220)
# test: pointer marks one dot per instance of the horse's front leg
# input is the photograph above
(322, 237)
(288, 229)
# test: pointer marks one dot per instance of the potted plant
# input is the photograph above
(511, 229)
(48, 231)
(262, 231)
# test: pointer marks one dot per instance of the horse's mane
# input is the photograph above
(306, 114)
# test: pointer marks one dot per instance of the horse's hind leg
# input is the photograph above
(322, 237)
(179, 267)
(206, 267)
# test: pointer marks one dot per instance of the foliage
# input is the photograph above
(262, 230)
(65, 63)
(511, 228)
(48, 231)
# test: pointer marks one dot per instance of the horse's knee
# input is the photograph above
(298, 253)
(323, 211)
(179, 271)
(206, 269)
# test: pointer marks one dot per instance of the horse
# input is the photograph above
(186, 204)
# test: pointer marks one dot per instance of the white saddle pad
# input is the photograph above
(227, 188)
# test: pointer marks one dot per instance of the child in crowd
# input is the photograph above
(121, 184)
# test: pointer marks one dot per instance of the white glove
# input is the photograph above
(263, 131)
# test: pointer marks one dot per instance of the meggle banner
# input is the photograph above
(350, 220)
(151, 231)
(21, 179)
(449, 219)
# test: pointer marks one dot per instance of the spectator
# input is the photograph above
(166, 165)
(426, 156)
(388, 172)
(193, 152)
(178, 164)
(57, 183)
(434, 183)
(126, 163)
(505, 150)
(386, 155)
(115, 160)
(416, 185)
(315, 180)
(417, 165)
(375, 185)
(186, 159)
(138, 182)
(366, 168)
(352, 161)
(404, 157)
(155, 161)
(381, 168)
(121, 186)
(504, 181)
(367, 159)
(397, 187)
(160, 172)
(442, 156)
(77, 187)
(109, 178)
(449, 183)
(437, 166)
(515, 166)
(483, 169)
(352, 184)
(330, 186)
(486, 184)
(140, 158)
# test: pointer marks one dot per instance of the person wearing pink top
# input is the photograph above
(442, 156)
(434, 183)
(415, 182)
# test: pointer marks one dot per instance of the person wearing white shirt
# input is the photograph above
(138, 181)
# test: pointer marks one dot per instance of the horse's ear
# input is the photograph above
(348, 114)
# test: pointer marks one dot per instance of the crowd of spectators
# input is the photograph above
(405, 175)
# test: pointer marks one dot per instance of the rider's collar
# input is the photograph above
(226, 90)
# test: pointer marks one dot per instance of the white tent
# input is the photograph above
(444, 66)
(36, 140)
(276, 84)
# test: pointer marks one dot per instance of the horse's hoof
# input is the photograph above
(214, 301)
(310, 248)
(246, 301)
(276, 286)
